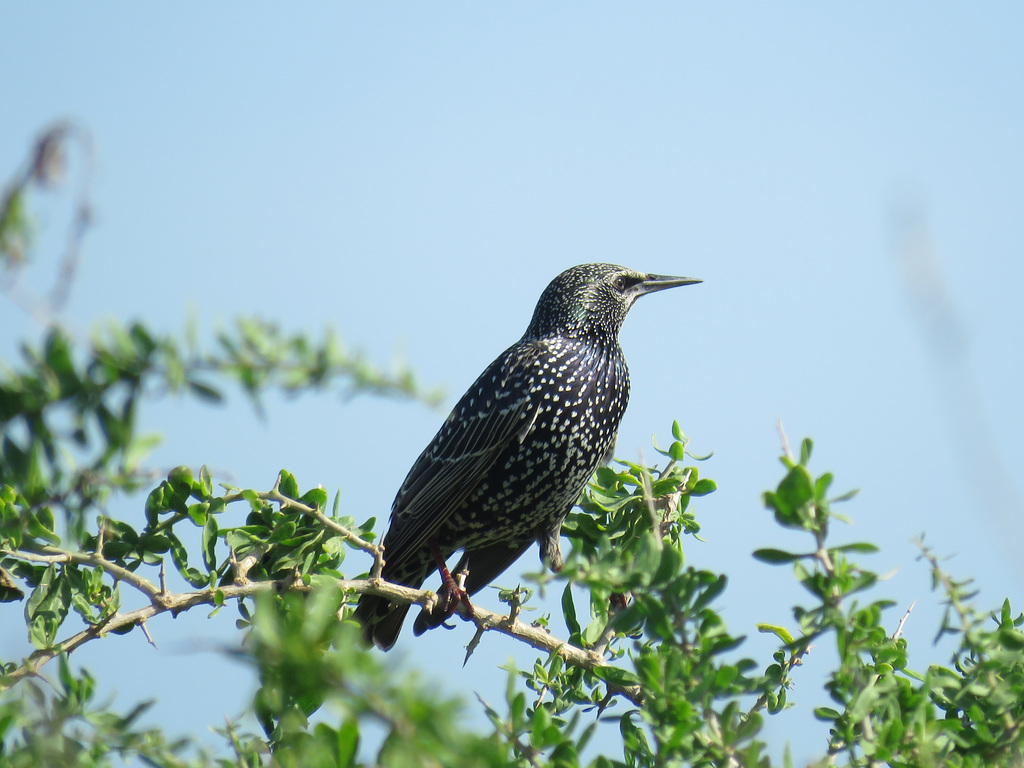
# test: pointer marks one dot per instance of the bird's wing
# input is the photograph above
(494, 412)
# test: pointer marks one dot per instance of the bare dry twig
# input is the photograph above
(899, 630)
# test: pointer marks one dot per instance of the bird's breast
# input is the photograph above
(578, 396)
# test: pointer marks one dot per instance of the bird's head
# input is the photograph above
(592, 300)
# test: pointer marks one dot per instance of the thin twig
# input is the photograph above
(652, 510)
(899, 630)
(785, 440)
(54, 555)
(285, 502)
(163, 577)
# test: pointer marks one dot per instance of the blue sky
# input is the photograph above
(415, 174)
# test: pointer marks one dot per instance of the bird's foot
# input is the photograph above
(449, 596)
(451, 593)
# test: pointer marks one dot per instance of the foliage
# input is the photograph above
(645, 645)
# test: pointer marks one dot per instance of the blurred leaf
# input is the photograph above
(780, 632)
(776, 556)
(617, 676)
(569, 611)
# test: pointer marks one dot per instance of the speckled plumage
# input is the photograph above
(517, 450)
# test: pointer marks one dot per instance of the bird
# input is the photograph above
(516, 452)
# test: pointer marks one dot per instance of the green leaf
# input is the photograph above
(845, 497)
(668, 567)
(806, 447)
(155, 505)
(776, 556)
(205, 392)
(703, 487)
(205, 482)
(283, 532)
(287, 485)
(47, 607)
(179, 555)
(154, 543)
(569, 611)
(210, 543)
(725, 676)
(656, 618)
(797, 487)
(255, 502)
(593, 631)
(180, 480)
(821, 486)
(316, 497)
(617, 676)
(198, 512)
(347, 743)
(780, 632)
(40, 525)
(586, 528)
(648, 555)
(861, 547)
(1012, 639)
(715, 588)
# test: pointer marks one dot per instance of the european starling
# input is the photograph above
(516, 452)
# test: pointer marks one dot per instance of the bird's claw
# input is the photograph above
(448, 599)
(449, 596)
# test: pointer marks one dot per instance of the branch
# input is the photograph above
(543, 640)
(174, 603)
(286, 502)
(54, 555)
(46, 170)
(162, 601)
(484, 619)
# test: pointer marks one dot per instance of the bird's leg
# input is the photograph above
(451, 593)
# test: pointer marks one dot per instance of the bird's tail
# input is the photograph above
(381, 620)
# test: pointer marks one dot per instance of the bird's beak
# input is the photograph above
(654, 283)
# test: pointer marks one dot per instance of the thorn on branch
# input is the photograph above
(149, 637)
(472, 645)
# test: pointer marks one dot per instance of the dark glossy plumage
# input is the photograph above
(517, 450)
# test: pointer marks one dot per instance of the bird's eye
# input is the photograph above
(622, 282)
